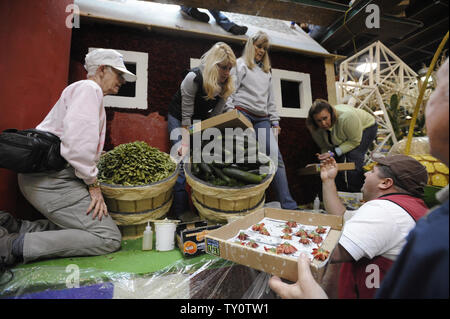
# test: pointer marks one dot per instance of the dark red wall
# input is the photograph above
(34, 55)
(168, 57)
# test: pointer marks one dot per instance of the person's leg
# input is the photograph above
(355, 178)
(64, 199)
(226, 24)
(270, 148)
(180, 195)
(194, 13)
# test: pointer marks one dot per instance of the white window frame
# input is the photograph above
(304, 88)
(139, 101)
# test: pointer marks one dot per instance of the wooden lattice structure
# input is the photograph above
(372, 90)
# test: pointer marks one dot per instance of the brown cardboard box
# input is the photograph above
(311, 169)
(230, 119)
(281, 266)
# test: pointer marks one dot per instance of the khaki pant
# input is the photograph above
(64, 199)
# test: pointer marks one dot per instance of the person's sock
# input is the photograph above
(238, 30)
(17, 246)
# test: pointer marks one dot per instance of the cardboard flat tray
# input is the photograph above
(232, 119)
(284, 267)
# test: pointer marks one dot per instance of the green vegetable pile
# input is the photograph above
(232, 169)
(134, 164)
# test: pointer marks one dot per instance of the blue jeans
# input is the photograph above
(279, 182)
(352, 181)
(180, 196)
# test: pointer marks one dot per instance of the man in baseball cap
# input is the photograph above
(375, 233)
(407, 173)
(109, 57)
(422, 266)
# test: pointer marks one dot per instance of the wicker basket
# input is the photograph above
(132, 206)
(218, 203)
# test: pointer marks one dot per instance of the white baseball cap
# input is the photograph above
(108, 57)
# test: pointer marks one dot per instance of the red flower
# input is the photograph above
(291, 223)
(304, 240)
(264, 231)
(243, 236)
(286, 248)
(301, 233)
(321, 230)
(320, 254)
(257, 227)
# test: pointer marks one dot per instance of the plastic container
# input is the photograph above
(316, 206)
(147, 241)
(165, 236)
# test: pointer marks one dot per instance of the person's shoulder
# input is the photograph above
(344, 110)
(379, 207)
(86, 86)
(240, 63)
(438, 217)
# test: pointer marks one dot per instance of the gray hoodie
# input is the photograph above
(254, 91)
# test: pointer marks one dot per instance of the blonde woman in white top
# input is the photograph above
(255, 99)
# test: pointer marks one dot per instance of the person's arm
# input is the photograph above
(328, 173)
(340, 255)
(352, 129)
(80, 150)
(219, 108)
(238, 74)
(188, 90)
(83, 115)
(306, 286)
(271, 106)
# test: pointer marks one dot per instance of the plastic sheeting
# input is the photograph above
(208, 278)
(419, 145)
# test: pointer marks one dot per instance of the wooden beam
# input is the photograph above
(312, 169)
(320, 12)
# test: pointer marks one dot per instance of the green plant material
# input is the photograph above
(242, 176)
(134, 164)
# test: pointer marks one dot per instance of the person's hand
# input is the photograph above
(183, 149)
(305, 287)
(328, 169)
(324, 156)
(97, 206)
(278, 130)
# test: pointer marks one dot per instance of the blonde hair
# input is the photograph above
(249, 51)
(218, 54)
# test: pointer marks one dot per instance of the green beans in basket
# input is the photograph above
(134, 164)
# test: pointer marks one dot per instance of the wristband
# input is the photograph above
(94, 185)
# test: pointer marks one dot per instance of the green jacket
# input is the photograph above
(346, 133)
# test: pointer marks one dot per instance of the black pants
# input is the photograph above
(352, 181)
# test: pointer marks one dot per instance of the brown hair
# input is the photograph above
(318, 106)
